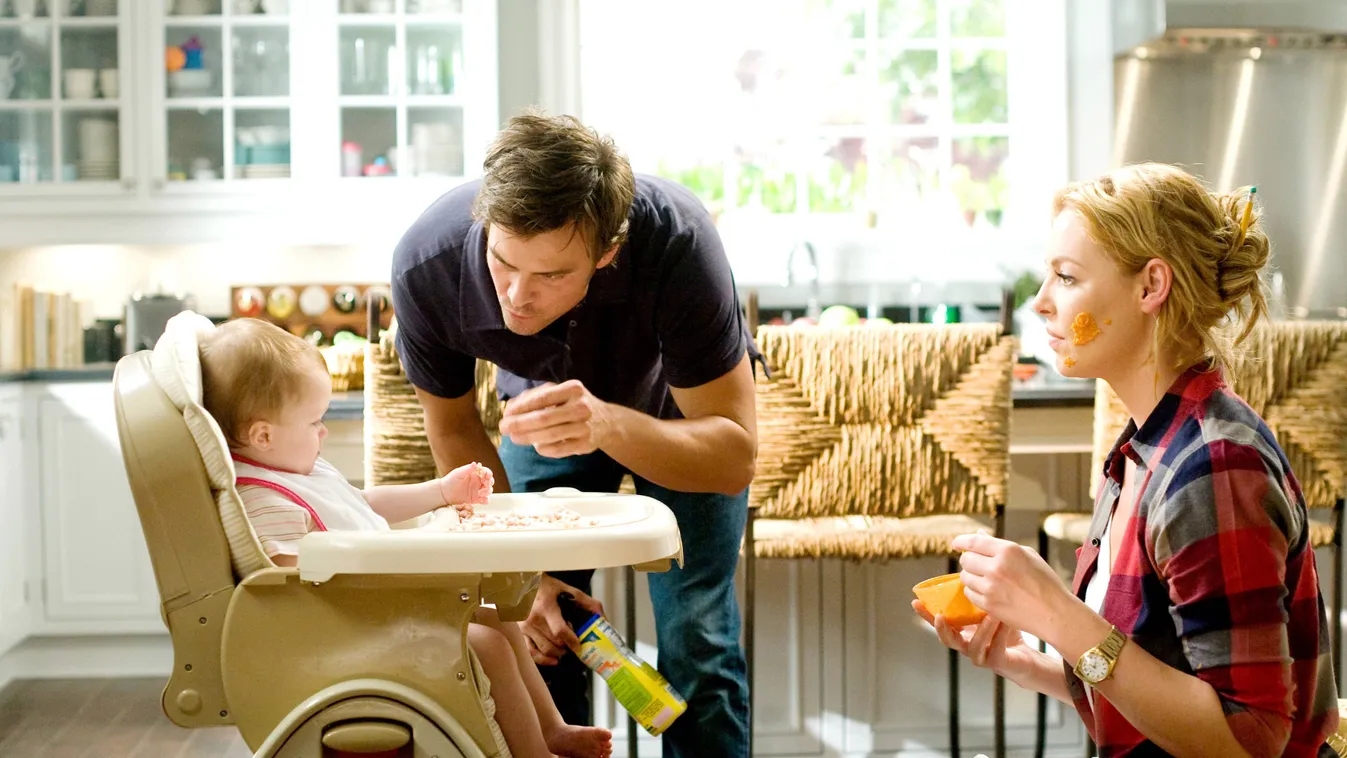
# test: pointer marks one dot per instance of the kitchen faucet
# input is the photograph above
(812, 307)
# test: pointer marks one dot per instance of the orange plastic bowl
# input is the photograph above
(943, 595)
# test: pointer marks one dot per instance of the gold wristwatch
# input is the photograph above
(1096, 664)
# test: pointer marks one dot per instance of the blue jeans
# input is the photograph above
(696, 612)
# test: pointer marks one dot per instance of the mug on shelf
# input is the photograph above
(80, 83)
(9, 66)
(108, 84)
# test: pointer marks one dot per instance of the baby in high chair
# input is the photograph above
(269, 390)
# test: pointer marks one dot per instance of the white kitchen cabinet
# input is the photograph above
(15, 516)
(96, 568)
(66, 118)
(287, 91)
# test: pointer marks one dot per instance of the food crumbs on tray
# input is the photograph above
(1083, 329)
(1068, 361)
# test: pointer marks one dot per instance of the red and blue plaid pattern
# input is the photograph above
(1215, 574)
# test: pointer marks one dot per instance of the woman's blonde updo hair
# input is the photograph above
(1154, 210)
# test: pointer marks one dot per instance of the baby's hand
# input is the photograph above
(466, 485)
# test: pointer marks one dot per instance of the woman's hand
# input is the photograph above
(1012, 583)
(991, 644)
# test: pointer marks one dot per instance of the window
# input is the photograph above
(871, 112)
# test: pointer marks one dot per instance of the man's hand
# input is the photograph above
(548, 634)
(558, 420)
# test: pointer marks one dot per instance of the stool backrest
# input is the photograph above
(1294, 375)
(396, 448)
(904, 420)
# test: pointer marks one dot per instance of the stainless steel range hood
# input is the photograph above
(1248, 93)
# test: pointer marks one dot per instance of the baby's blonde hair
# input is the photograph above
(249, 370)
(1154, 210)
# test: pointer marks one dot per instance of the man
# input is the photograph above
(607, 304)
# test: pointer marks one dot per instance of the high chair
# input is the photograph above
(879, 444)
(361, 650)
(1294, 375)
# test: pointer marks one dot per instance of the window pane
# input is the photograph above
(977, 18)
(910, 86)
(763, 180)
(979, 86)
(978, 178)
(838, 18)
(839, 88)
(911, 175)
(906, 18)
(706, 180)
(837, 180)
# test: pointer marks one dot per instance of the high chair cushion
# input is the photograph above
(176, 363)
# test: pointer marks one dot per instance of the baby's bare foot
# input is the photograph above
(580, 741)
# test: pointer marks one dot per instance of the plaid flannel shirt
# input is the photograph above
(1215, 574)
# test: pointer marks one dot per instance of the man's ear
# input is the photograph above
(259, 435)
(1155, 280)
(609, 256)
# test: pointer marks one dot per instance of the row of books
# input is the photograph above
(42, 330)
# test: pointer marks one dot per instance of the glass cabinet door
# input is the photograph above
(61, 99)
(227, 99)
(401, 99)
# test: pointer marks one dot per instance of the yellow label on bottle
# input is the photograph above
(637, 685)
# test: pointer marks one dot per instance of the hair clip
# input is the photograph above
(1248, 217)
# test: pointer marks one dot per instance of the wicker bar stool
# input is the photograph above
(1294, 375)
(878, 444)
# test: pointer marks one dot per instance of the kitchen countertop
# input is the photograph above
(1042, 391)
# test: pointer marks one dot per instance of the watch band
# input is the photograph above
(1113, 644)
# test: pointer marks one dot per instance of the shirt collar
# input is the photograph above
(1185, 396)
(479, 309)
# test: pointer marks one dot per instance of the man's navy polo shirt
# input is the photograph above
(664, 313)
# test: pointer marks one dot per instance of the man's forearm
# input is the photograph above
(460, 447)
(707, 454)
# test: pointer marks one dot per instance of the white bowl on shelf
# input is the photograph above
(189, 82)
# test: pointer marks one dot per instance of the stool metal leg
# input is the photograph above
(632, 726)
(1041, 721)
(750, 616)
(1337, 592)
(953, 688)
(998, 683)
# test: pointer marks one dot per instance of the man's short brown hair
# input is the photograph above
(250, 369)
(546, 172)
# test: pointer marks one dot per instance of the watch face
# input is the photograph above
(1093, 667)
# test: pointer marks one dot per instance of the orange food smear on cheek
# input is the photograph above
(1068, 361)
(1084, 329)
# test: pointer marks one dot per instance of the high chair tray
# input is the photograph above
(612, 530)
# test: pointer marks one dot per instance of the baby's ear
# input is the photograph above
(259, 435)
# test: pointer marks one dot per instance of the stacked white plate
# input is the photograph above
(264, 171)
(98, 149)
(434, 6)
(99, 171)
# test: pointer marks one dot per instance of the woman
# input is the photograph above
(1195, 626)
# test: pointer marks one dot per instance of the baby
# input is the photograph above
(269, 390)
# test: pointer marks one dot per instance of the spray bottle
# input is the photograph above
(637, 685)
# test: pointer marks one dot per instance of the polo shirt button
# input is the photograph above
(572, 323)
